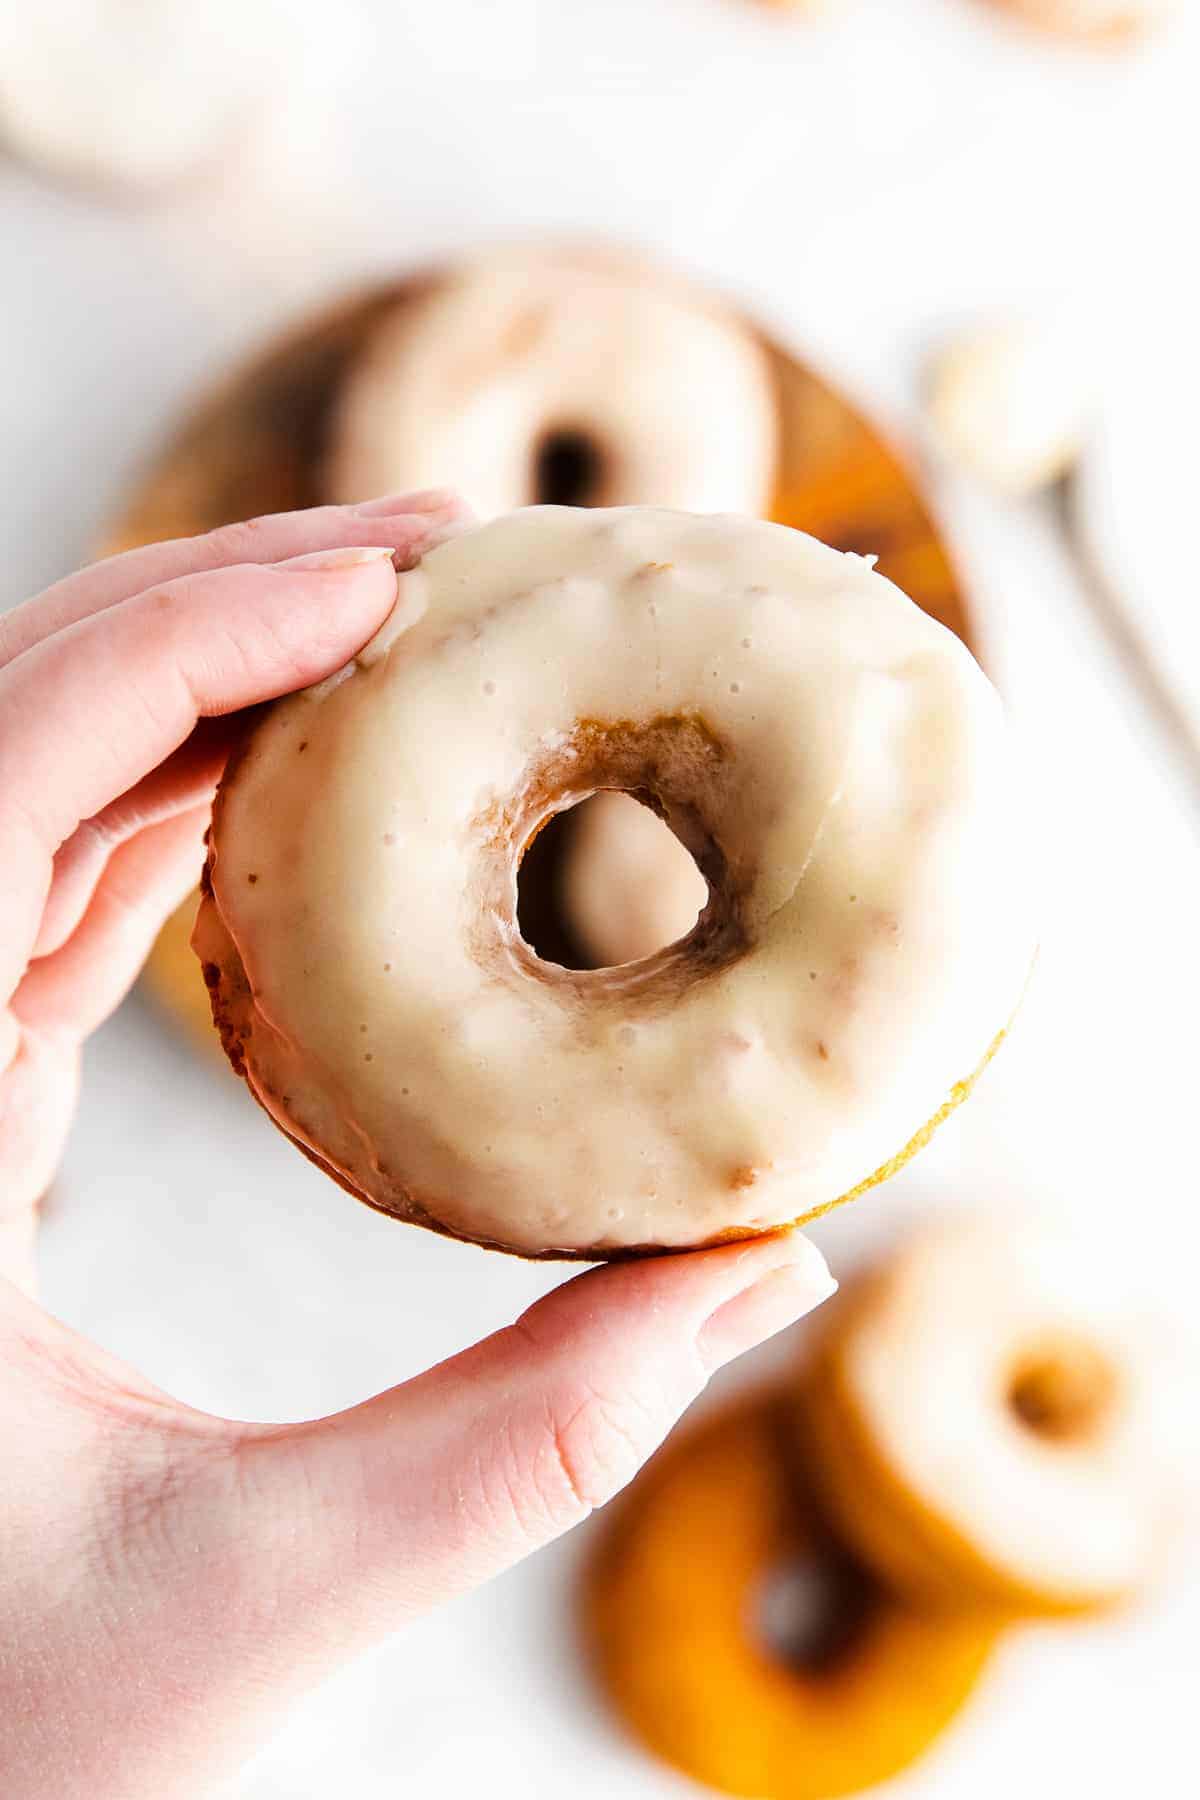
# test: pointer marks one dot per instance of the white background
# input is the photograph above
(864, 183)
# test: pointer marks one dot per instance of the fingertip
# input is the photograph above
(662, 1298)
(772, 1302)
(321, 622)
(344, 557)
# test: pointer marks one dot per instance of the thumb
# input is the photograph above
(365, 1518)
(195, 1576)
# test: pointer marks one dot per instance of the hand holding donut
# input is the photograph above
(243, 1561)
(113, 687)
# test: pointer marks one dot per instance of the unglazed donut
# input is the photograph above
(669, 1611)
(834, 760)
(541, 376)
(994, 1422)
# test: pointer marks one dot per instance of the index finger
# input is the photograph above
(400, 522)
(91, 711)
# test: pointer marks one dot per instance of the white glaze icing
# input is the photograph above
(928, 1368)
(852, 768)
(628, 886)
(461, 385)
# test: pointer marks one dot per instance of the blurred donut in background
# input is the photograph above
(796, 1597)
(171, 976)
(279, 431)
(1097, 19)
(134, 94)
(740, 1642)
(1010, 399)
(814, 7)
(543, 377)
(626, 883)
(993, 1419)
(265, 440)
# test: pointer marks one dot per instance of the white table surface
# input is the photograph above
(864, 183)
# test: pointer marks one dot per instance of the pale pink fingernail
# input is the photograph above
(797, 1284)
(352, 558)
(394, 506)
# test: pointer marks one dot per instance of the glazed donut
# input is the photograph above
(994, 1423)
(539, 376)
(833, 759)
(669, 1612)
(1098, 19)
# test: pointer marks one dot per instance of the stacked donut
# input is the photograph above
(797, 1597)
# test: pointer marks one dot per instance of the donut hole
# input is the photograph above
(647, 895)
(535, 885)
(568, 468)
(1062, 1391)
(812, 1612)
